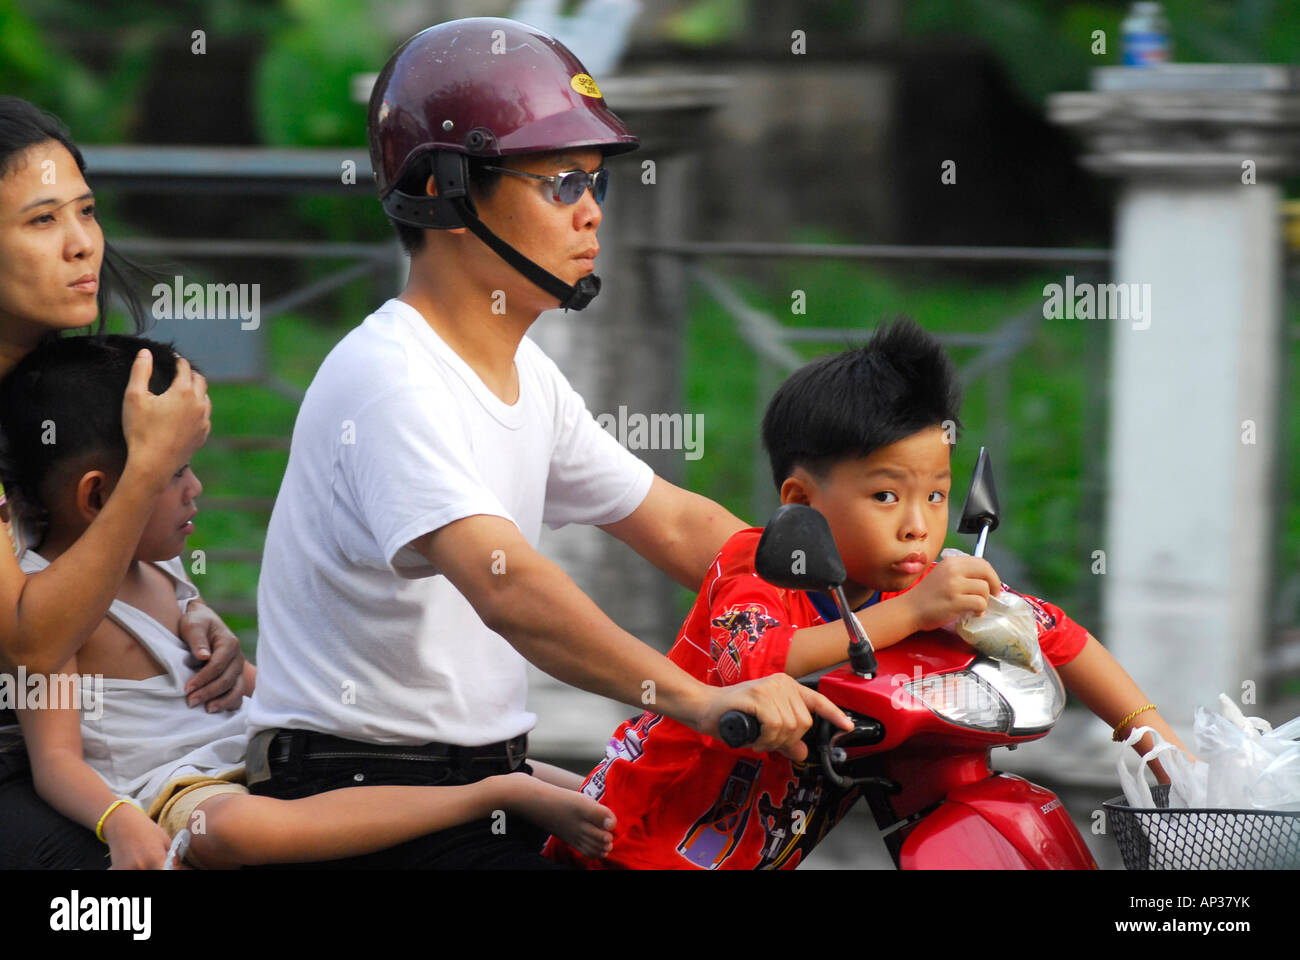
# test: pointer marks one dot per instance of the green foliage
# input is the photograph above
(98, 104)
(706, 22)
(304, 81)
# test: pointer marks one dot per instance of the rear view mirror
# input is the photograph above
(981, 512)
(797, 551)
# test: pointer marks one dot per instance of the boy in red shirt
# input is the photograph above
(865, 438)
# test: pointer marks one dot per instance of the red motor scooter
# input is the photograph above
(927, 712)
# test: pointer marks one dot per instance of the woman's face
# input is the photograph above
(51, 245)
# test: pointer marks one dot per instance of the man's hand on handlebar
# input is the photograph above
(783, 708)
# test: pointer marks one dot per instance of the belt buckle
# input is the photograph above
(257, 764)
(515, 757)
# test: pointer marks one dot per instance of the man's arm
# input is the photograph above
(1096, 678)
(678, 531)
(542, 613)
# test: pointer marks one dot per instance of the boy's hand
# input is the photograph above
(220, 682)
(134, 841)
(782, 706)
(955, 587)
(163, 431)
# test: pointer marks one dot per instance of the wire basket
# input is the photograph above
(1202, 839)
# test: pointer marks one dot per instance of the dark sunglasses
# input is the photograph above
(568, 187)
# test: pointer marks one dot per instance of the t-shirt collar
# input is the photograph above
(512, 416)
(827, 609)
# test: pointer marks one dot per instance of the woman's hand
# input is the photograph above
(163, 431)
(221, 683)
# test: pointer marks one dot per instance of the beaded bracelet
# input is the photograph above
(99, 827)
(1123, 723)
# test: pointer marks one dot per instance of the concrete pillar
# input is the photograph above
(1192, 516)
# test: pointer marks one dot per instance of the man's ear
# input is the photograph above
(431, 188)
(93, 491)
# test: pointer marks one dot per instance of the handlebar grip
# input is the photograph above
(738, 729)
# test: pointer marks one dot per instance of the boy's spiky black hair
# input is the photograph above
(852, 403)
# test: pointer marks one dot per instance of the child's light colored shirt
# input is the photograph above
(140, 735)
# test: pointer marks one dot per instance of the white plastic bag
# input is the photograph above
(1186, 789)
(1251, 766)
(1007, 630)
(1187, 777)
(1242, 764)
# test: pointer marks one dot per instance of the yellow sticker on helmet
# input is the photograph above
(586, 86)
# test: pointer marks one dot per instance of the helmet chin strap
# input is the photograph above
(571, 296)
(453, 207)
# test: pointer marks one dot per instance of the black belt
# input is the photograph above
(294, 746)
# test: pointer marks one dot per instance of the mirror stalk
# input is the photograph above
(862, 658)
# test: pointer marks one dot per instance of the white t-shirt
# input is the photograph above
(397, 436)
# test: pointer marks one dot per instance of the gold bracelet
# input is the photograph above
(1120, 726)
(99, 827)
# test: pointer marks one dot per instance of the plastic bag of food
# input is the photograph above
(1007, 630)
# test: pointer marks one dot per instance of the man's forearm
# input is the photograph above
(555, 626)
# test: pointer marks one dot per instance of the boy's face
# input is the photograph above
(888, 511)
(169, 524)
(172, 519)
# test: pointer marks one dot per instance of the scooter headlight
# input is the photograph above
(1035, 699)
(963, 698)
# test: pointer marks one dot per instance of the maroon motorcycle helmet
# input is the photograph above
(483, 87)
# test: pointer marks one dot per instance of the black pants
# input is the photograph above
(33, 835)
(479, 845)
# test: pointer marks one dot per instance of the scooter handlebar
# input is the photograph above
(738, 729)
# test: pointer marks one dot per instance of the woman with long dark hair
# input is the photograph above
(57, 276)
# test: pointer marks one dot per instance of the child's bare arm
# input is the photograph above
(815, 648)
(242, 829)
(67, 783)
(956, 587)
(1097, 679)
